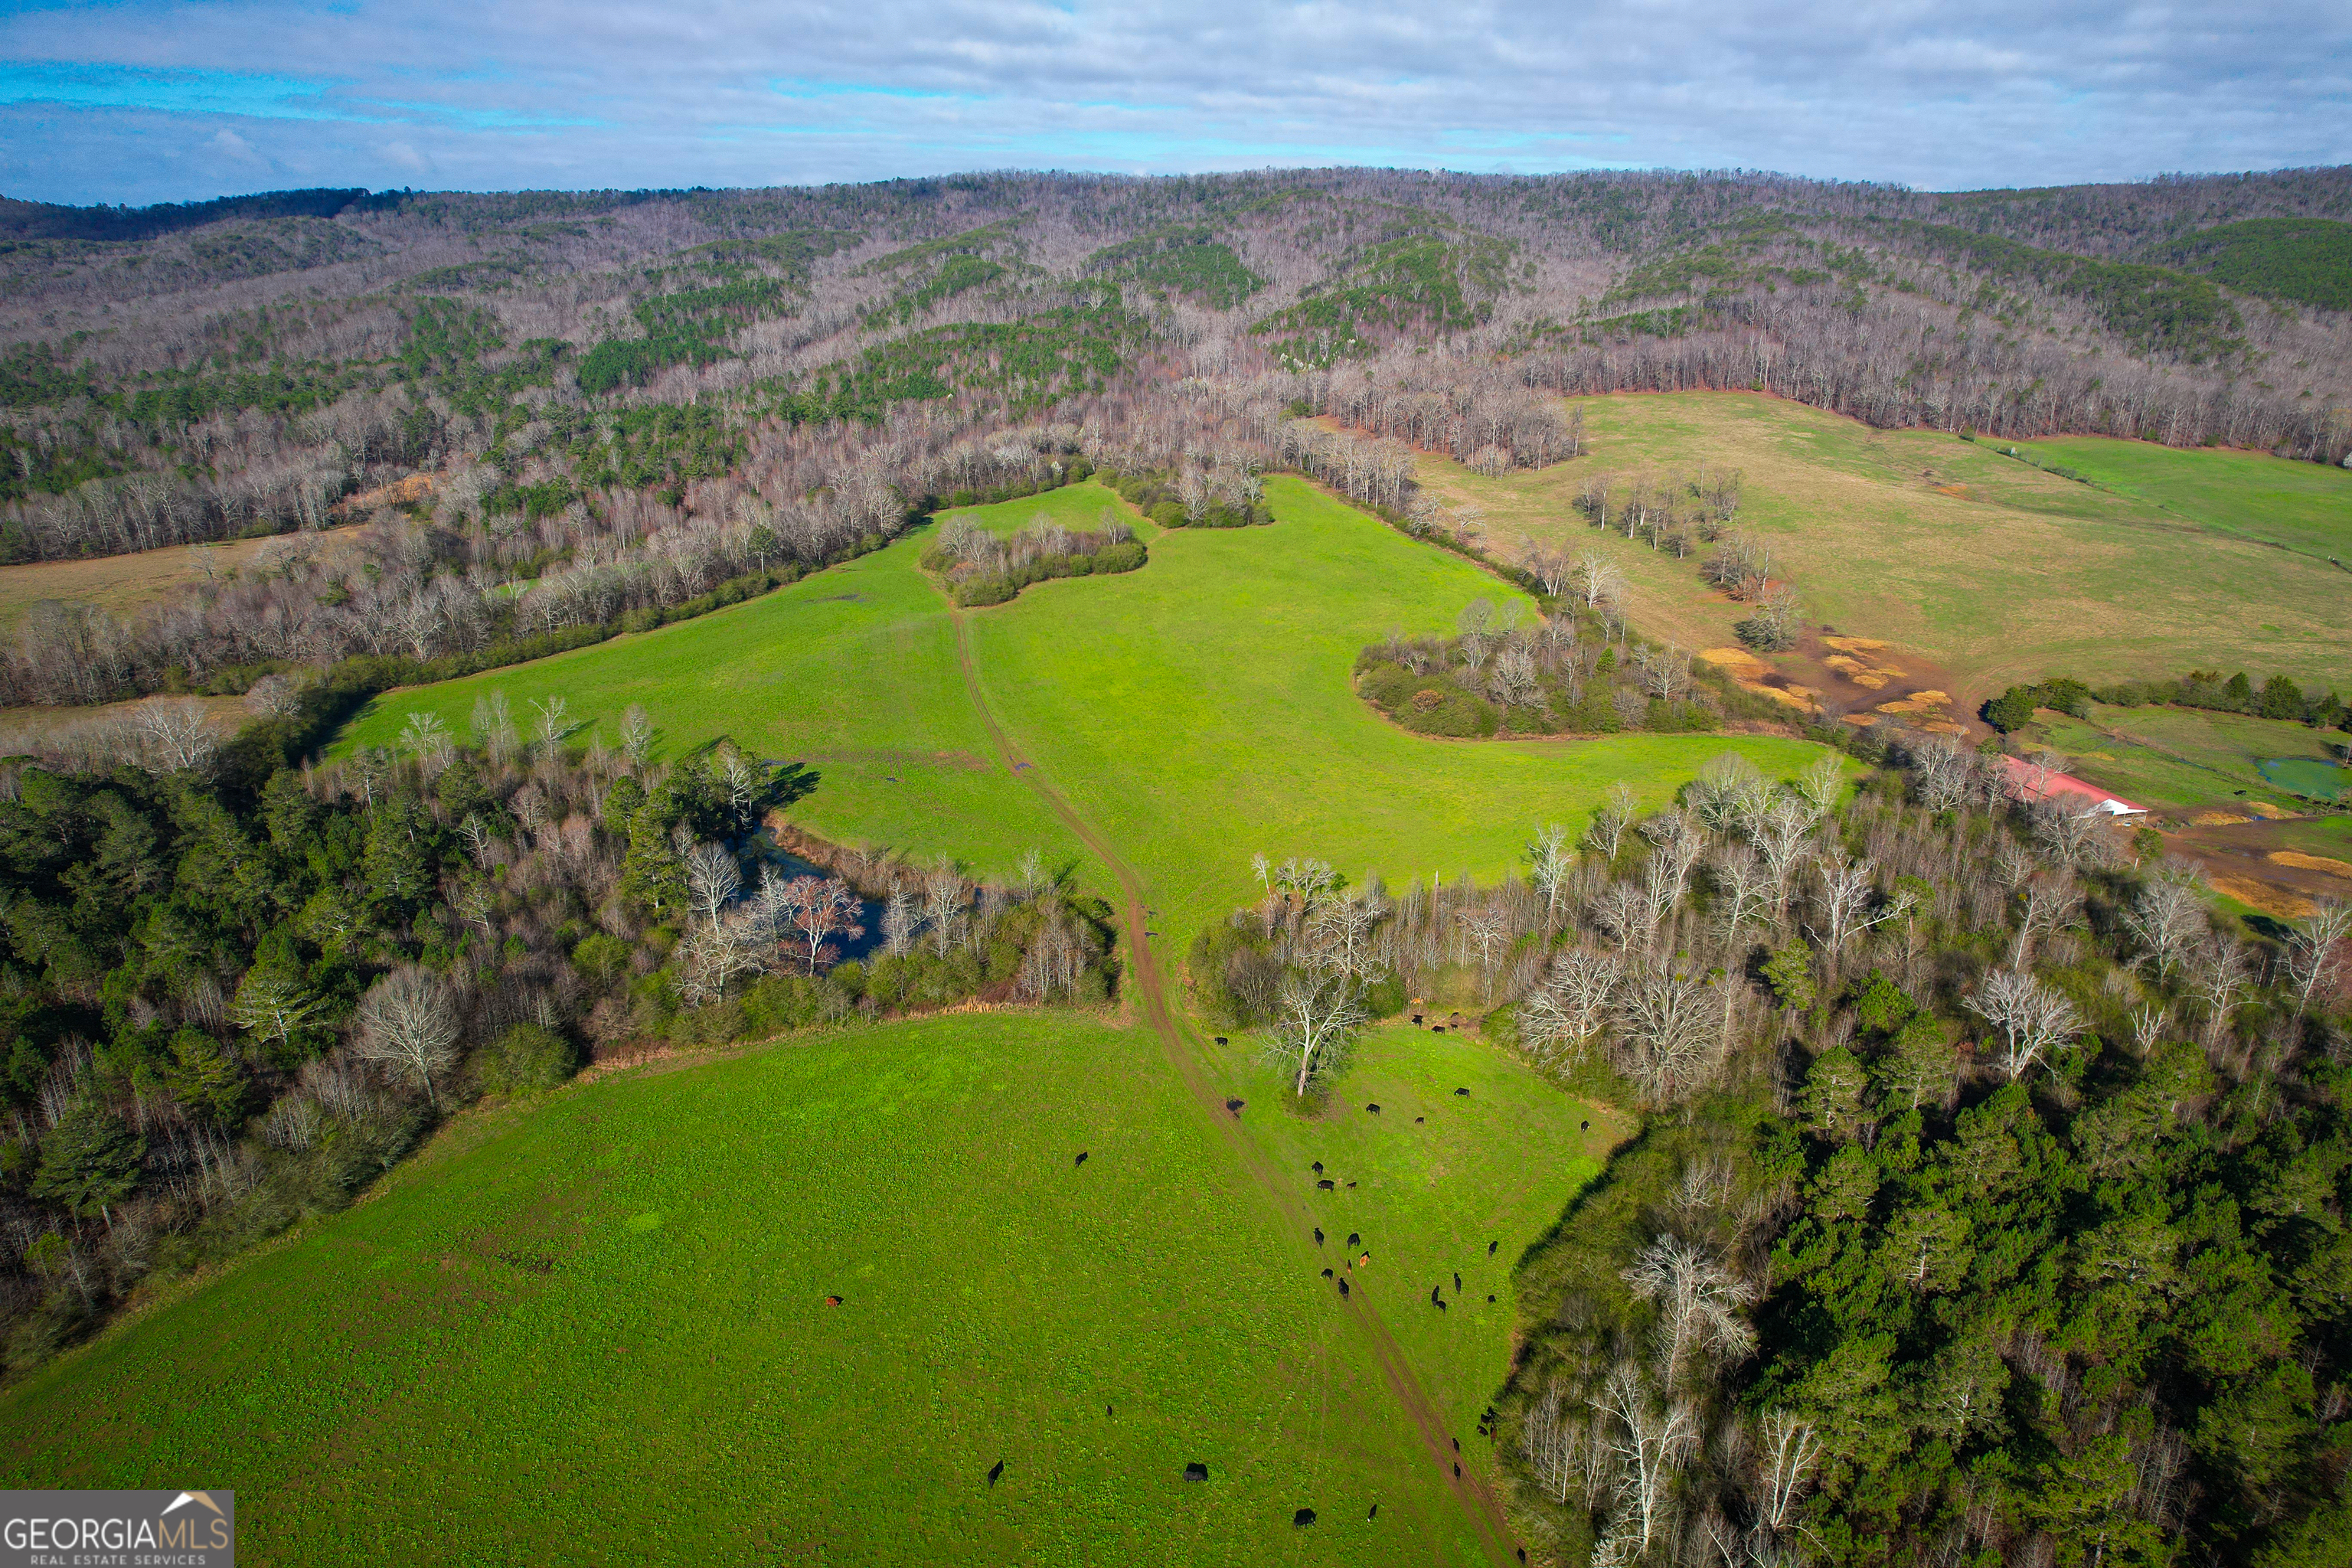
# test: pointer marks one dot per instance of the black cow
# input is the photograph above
(1327, 1185)
(1082, 1157)
(1303, 1517)
(995, 1470)
(1196, 1471)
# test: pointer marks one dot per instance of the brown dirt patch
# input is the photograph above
(408, 491)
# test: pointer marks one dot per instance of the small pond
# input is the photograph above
(2313, 778)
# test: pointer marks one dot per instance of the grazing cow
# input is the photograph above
(1373, 1109)
(1490, 1300)
(1454, 1020)
(1352, 1184)
(1490, 1248)
(1437, 1028)
(1196, 1471)
(994, 1472)
(1318, 1235)
(1584, 1126)
(1365, 1261)
(1221, 1039)
(1107, 1412)
(1416, 1017)
(1457, 1444)
(1433, 1299)
(1236, 1107)
(832, 1301)
(1457, 1469)
(1326, 1274)
(1318, 1167)
(1327, 1185)
(1082, 1157)
(1343, 1287)
(1418, 1120)
(1463, 1092)
(1303, 1517)
(1375, 1513)
(1441, 1306)
(1355, 1240)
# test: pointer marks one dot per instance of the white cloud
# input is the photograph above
(597, 92)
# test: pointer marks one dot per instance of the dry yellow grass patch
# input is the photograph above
(2302, 862)
(121, 583)
(2213, 818)
(2268, 812)
(1749, 671)
(2263, 897)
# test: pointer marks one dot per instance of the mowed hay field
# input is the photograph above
(595, 1329)
(1993, 569)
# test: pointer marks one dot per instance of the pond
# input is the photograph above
(2310, 777)
(869, 915)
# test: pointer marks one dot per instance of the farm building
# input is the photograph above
(2029, 783)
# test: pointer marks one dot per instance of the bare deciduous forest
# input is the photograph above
(610, 403)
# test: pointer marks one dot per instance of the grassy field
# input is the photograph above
(1199, 710)
(125, 584)
(2183, 759)
(1191, 712)
(852, 671)
(597, 1329)
(1496, 1166)
(1078, 506)
(1194, 710)
(1983, 565)
(2303, 507)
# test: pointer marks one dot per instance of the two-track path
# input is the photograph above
(1183, 1054)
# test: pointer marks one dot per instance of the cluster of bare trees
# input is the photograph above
(973, 551)
(1480, 413)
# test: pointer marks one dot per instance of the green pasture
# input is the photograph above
(1193, 712)
(1497, 1165)
(595, 1329)
(852, 671)
(1076, 507)
(2182, 759)
(1199, 711)
(1986, 566)
(2303, 507)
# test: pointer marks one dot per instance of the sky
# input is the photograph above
(146, 100)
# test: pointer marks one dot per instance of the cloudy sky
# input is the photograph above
(143, 100)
